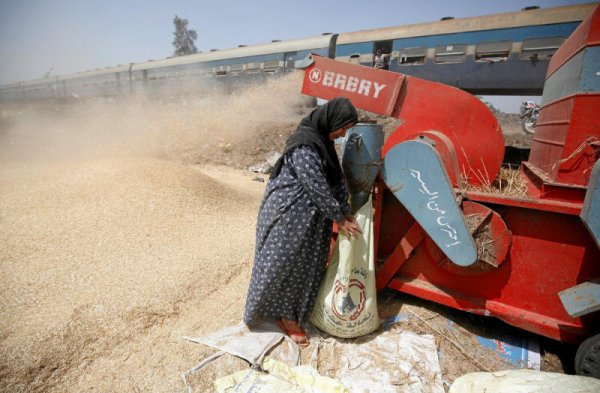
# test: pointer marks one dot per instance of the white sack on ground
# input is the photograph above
(524, 381)
(346, 305)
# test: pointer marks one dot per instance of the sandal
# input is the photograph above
(291, 332)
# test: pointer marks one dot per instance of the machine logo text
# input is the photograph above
(347, 83)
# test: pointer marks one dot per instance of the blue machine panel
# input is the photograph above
(361, 158)
(581, 299)
(579, 75)
(590, 212)
(413, 171)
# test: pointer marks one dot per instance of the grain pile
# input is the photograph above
(114, 244)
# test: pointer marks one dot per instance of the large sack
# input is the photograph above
(346, 305)
(524, 381)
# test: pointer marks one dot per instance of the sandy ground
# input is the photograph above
(124, 226)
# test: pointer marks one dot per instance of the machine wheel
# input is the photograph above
(528, 125)
(587, 359)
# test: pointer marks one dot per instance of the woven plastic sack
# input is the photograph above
(346, 304)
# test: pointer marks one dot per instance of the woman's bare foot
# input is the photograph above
(294, 331)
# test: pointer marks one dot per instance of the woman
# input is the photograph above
(305, 194)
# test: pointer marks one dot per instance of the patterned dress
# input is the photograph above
(292, 239)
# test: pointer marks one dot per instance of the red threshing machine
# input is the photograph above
(532, 261)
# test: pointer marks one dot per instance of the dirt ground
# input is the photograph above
(127, 225)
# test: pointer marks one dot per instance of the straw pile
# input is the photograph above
(509, 182)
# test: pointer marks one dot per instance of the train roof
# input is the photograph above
(97, 71)
(313, 42)
(321, 41)
(540, 16)
(83, 74)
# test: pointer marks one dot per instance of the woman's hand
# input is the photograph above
(349, 226)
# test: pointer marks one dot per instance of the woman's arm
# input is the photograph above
(311, 175)
(340, 193)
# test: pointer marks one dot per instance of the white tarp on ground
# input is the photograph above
(278, 378)
(524, 381)
(388, 362)
(250, 345)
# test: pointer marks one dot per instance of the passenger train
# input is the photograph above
(504, 54)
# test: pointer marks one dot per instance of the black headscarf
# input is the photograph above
(314, 130)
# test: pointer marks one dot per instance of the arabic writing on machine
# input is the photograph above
(433, 206)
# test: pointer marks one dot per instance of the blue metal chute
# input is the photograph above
(590, 213)
(414, 173)
(361, 159)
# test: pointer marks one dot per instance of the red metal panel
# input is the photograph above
(550, 252)
(586, 34)
(529, 203)
(564, 147)
(560, 149)
(525, 319)
(550, 134)
(579, 155)
(403, 251)
(461, 117)
(370, 89)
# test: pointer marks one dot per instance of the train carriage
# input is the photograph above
(497, 54)
(242, 64)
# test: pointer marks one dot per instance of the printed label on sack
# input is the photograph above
(346, 305)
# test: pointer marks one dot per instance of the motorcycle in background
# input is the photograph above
(529, 114)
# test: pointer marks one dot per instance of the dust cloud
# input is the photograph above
(162, 126)
(115, 242)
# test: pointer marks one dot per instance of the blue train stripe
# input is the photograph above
(517, 34)
(242, 60)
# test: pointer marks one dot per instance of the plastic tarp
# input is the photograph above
(278, 378)
(519, 350)
(388, 362)
(250, 345)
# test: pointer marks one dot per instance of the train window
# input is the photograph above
(271, 64)
(252, 67)
(493, 51)
(236, 68)
(540, 48)
(355, 58)
(452, 53)
(220, 70)
(412, 56)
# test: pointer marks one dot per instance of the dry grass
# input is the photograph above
(509, 182)
(483, 237)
